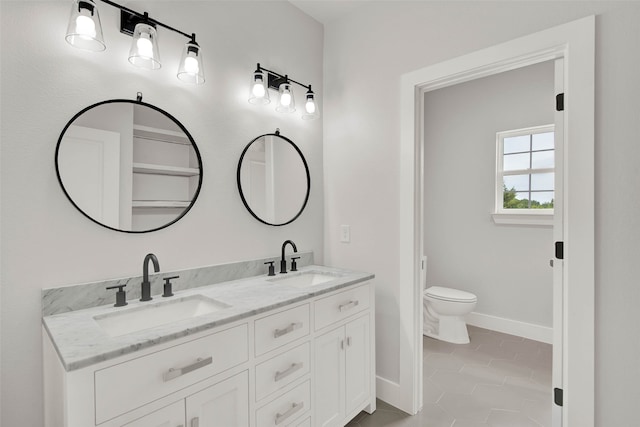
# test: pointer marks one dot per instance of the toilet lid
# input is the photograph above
(448, 294)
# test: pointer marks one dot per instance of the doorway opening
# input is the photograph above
(488, 229)
(574, 43)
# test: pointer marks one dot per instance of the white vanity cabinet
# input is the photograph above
(343, 360)
(169, 416)
(309, 363)
(225, 404)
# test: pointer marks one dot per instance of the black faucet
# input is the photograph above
(146, 286)
(283, 262)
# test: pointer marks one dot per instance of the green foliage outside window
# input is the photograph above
(510, 201)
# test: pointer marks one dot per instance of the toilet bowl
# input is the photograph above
(444, 311)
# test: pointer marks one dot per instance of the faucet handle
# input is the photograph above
(121, 295)
(294, 266)
(167, 286)
(272, 269)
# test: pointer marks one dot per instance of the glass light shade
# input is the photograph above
(191, 69)
(84, 30)
(259, 94)
(310, 107)
(144, 48)
(286, 103)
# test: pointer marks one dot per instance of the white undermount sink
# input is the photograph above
(155, 314)
(305, 279)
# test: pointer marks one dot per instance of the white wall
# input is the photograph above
(366, 52)
(47, 242)
(506, 266)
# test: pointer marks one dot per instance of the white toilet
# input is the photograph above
(444, 311)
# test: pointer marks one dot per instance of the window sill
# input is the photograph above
(539, 219)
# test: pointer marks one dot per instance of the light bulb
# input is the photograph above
(145, 47)
(285, 99)
(85, 27)
(258, 90)
(191, 65)
(310, 106)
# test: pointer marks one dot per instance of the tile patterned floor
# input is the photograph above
(497, 380)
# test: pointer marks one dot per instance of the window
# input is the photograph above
(525, 171)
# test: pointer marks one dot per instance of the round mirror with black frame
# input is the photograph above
(273, 179)
(128, 165)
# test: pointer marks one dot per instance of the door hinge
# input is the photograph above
(560, 250)
(560, 102)
(557, 396)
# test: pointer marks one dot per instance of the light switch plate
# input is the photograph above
(345, 233)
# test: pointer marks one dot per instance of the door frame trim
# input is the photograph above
(575, 42)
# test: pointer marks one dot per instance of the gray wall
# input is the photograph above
(366, 52)
(46, 242)
(506, 266)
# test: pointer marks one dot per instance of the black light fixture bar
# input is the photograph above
(129, 18)
(276, 79)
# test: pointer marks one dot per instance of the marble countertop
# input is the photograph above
(81, 342)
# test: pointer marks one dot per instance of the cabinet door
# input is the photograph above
(223, 404)
(329, 377)
(169, 416)
(358, 362)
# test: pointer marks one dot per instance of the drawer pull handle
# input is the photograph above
(348, 305)
(177, 372)
(290, 370)
(295, 407)
(280, 332)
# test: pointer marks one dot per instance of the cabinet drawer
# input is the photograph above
(281, 328)
(281, 370)
(337, 307)
(285, 409)
(129, 385)
(305, 423)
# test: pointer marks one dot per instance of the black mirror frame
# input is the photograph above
(153, 107)
(306, 168)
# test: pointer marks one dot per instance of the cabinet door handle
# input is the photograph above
(280, 332)
(290, 370)
(177, 372)
(348, 305)
(195, 422)
(295, 407)
(348, 341)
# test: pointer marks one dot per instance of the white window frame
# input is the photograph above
(542, 217)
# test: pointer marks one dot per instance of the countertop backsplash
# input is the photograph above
(86, 295)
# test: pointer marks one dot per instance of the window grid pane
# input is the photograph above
(542, 159)
(517, 144)
(517, 161)
(543, 141)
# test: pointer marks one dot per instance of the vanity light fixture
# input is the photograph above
(85, 32)
(286, 102)
(259, 91)
(264, 79)
(310, 107)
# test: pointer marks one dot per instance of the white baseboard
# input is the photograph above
(388, 391)
(512, 327)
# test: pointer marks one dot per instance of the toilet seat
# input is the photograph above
(448, 294)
